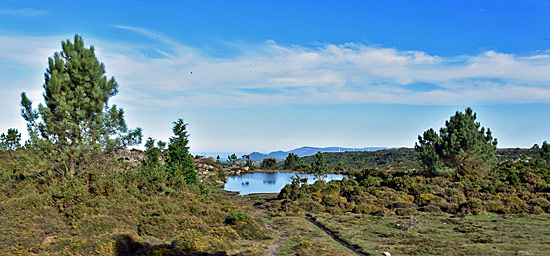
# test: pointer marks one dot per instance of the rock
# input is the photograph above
(386, 254)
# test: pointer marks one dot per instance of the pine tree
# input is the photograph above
(319, 168)
(292, 161)
(76, 118)
(545, 151)
(179, 162)
(151, 154)
(232, 159)
(268, 163)
(462, 146)
(11, 140)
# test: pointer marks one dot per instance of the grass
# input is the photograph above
(294, 235)
(304, 238)
(445, 235)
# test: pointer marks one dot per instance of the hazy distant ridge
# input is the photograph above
(306, 151)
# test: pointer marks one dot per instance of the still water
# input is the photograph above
(261, 182)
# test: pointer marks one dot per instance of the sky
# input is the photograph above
(276, 75)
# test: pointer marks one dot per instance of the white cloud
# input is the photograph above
(269, 73)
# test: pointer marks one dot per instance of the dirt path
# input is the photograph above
(273, 249)
(356, 249)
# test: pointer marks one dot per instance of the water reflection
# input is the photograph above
(262, 182)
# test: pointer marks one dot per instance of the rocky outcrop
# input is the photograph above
(209, 169)
(133, 157)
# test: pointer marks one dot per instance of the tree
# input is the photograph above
(545, 151)
(11, 140)
(340, 166)
(292, 161)
(232, 159)
(248, 163)
(318, 167)
(268, 163)
(161, 145)
(462, 146)
(151, 154)
(180, 163)
(76, 118)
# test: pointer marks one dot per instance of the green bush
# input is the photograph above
(237, 216)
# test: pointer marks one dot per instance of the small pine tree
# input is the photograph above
(292, 161)
(462, 146)
(11, 140)
(232, 159)
(268, 163)
(161, 145)
(545, 151)
(152, 154)
(248, 163)
(179, 162)
(319, 168)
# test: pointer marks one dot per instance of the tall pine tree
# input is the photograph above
(76, 119)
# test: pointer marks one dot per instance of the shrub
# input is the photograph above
(431, 208)
(366, 209)
(237, 216)
(472, 206)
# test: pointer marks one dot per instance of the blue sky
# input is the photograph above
(276, 75)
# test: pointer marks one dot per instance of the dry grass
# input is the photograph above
(444, 234)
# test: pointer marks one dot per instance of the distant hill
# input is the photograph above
(307, 151)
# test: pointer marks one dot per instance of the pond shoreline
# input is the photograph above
(269, 182)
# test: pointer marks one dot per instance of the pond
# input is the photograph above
(262, 182)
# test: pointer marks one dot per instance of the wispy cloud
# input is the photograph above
(151, 34)
(24, 12)
(270, 73)
(274, 74)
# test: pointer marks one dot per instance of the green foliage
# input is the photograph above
(545, 151)
(232, 159)
(76, 119)
(11, 140)
(248, 163)
(180, 163)
(292, 162)
(397, 158)
(512, 187)
(151, 154)
(319, 168)
(237, 216)
(268, 163)
(462, 145)
(85, 215)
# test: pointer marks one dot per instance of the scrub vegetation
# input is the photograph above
(73, 188)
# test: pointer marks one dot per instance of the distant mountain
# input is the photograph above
(306, 151)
